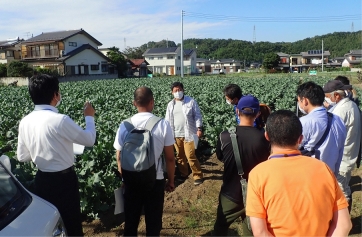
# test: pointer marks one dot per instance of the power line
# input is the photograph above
(273, 19)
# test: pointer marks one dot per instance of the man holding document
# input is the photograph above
(184, 116)
(46, 137)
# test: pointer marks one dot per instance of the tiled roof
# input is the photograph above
(355, 52)
(160, 50)
(280, 54)
(138, 62)
(308, 54)
(188, 52)
(10, 42)
(59, 35)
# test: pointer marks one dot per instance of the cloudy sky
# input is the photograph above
(112, 21)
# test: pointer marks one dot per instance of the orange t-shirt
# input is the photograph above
(296, 195)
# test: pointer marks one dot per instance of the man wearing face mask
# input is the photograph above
(348, 111)
(233, 94)
(317, 140)
(46, 137)
(184, 116)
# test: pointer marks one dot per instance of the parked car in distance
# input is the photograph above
(22, 213)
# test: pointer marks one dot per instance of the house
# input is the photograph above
(168, 60)
(70, 52)
(137, 68)
(352, 59)
(307, 60)
(284, 61)
(203, 65)
(225, 66)
(10, 50)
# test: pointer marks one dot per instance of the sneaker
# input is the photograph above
(181, 178)
(198, 181)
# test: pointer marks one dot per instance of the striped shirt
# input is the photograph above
(191, 111)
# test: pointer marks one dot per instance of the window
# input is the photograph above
(169, 57)
(95, 67)
(178, 57)
(74, 44)
(51, 50)
(9, 53)
(151, 58)
(35, 51)
(160, 58)
(104, 67)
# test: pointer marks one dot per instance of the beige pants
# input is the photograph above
(186, 152)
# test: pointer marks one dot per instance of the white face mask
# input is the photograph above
(178, 94)
(228, 102)
(328, 100)
(60, 99)
(301, 110)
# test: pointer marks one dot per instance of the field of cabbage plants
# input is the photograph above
(112, 100)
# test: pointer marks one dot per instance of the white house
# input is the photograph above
(71, 52)
(168, 60)
(352, 59)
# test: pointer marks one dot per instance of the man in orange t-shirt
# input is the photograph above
(291, 194)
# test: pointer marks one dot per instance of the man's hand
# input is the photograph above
(170, 187)
(88, 109)
(199, 133)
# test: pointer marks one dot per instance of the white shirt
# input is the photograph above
(179, 119)
(162, 136)
(46, 137)
(348, 111)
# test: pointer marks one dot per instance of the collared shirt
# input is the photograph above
(348, 111)
(193, 118)
(46, 137)
(162, 136)
(314, 125)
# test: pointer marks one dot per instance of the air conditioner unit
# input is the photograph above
(62, 53)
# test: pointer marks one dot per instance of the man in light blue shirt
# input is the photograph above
(315, 122)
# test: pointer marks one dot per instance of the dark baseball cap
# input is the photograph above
(248, 102)
(335, 85)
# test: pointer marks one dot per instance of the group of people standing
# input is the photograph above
(289, 193)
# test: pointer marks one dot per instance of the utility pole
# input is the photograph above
(125, 43)
(322, 56)
(182, 43)
(254, 36)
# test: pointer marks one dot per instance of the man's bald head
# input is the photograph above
(142, 96)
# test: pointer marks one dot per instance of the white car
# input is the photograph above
(21, 212)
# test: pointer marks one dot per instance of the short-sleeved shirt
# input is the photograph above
(314, 125)
(296, 195)
(162, 136)
(253, 147)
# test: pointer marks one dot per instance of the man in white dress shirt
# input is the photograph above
(46, 137)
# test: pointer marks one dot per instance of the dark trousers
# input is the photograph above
(62, 190)
(227, 212)
(152, 202)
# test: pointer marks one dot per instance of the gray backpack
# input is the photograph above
(137, 156)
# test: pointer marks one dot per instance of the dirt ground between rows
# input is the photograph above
(190, 210)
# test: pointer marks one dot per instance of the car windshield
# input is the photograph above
(8, 191)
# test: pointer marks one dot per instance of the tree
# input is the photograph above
(133, 53)
(117, 59)
(19, 69)
(270, 60)
(3, 70)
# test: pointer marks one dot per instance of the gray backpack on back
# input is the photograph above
(137, 155)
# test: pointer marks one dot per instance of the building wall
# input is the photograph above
(80, 39)
(164, 65)
(87, 57)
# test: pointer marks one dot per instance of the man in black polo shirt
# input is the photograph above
(254, 149)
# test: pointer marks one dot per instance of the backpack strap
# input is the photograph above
(151, 122)
(236, 150)
(323, 138)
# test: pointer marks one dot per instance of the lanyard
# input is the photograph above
(283, 155)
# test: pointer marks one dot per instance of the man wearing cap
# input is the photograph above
(328, 147)
(348, 111)
(253, 149)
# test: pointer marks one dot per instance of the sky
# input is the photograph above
(126, 23)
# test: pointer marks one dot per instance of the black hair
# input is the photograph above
(143, 96)
(42, 88)
(342, 79)
(177, 84)
(233, 91)
(284, 128)
(313, 92)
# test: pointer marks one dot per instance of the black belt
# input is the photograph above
(68, 170)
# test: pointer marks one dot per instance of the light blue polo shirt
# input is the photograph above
(331, 151)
